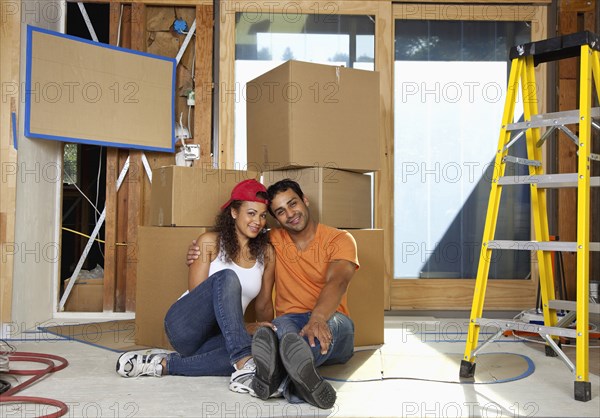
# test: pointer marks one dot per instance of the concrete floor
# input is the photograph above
(90, 386)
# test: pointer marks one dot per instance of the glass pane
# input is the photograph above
(264, 41)
(449, 92)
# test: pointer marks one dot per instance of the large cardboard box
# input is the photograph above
(305, 114)
(86, 295)
(337, 198)
(162, 279)
(365, 295)
(191, 196)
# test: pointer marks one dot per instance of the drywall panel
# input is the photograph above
(86, 92)
(38, 179)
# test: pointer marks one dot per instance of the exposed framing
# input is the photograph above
(128, 208)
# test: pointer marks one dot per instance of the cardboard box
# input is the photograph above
(305, 114)
(365, 295)
(191, 196)
(162, 279)
(87, 295)
(337, 198)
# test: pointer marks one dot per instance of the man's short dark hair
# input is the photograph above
(282, 186)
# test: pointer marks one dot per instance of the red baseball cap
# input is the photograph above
(247, 191)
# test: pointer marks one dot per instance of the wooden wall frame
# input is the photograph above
(129, 208)
(404, 294)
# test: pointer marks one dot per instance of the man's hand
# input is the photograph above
(251, 327)
(317, 328)
(193, 253)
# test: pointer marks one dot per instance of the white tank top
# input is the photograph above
(250, 278)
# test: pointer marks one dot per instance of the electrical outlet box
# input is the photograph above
(191, 152)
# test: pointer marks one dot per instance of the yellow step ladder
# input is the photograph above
(586, 46)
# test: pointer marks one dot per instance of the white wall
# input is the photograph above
(38, 195)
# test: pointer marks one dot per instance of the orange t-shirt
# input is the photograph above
(300, 275)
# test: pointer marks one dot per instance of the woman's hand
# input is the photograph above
(193, 253)
(251, 327)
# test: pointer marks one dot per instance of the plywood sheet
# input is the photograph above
(85, 92)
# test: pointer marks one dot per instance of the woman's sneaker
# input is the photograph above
(141, 363)
(241, 380)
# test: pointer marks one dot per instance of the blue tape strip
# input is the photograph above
(13, 119)
(530, 369)
(96, 44)
(28, 79)
(81, 341)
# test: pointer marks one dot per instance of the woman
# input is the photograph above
(206, 325)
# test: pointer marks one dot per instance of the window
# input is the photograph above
(449, 90)
(71, 164)
(264, 41)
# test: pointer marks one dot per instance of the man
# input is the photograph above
(314, 266)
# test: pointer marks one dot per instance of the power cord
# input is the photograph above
(8, 395)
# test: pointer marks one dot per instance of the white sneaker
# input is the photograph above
(141, 363)
(241, 380)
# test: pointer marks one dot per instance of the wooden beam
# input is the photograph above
(135, 175)
(111, 199)
(115, 258)
(204, 81)
(384, 179)
(457, 294)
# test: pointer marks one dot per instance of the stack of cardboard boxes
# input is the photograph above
(319, 126)
(313, 123)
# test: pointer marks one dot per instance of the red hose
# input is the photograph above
(46, 359)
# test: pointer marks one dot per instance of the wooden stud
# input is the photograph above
(566, 6)
(384, 179)
(204, 81)
(135, 175)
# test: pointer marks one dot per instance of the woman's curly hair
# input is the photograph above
(228, 242)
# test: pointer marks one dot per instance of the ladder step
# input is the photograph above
(565, 117)
(569, 305)
(547, 181)
(522, 326)
(522, 161)
(538, 245)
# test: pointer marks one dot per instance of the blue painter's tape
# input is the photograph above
(13, 119)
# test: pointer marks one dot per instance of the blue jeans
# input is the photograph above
(206, 328)
(340, 350)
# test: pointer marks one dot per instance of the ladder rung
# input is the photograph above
(569, 305)
(566, 117)
(547, 181)
(522, 326)
(538, 245)
(521, 161)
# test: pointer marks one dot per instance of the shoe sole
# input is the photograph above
(269, 370)
(298, 361)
